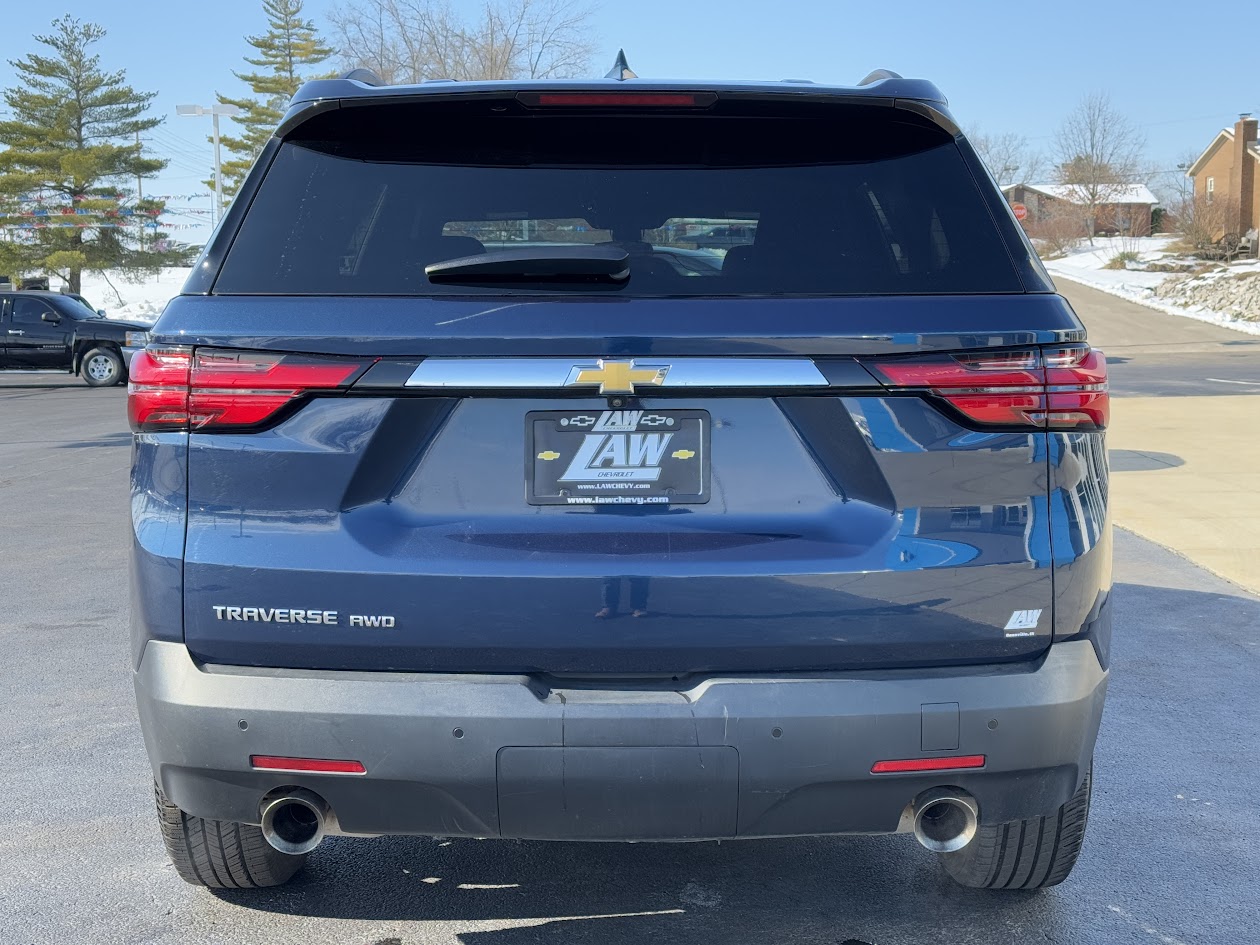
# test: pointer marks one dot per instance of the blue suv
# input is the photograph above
(477, 492)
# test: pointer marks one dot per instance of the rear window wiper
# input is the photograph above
(607, 265)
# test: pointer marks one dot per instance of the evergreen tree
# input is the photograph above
(72, 149)
(285, 52)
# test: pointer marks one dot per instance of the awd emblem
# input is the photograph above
(617, 377)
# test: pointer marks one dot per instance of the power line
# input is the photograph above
(178, 145)
(177, 155)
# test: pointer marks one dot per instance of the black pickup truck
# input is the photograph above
(52, 331)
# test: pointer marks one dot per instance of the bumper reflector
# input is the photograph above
(907, 765)
(319, 765)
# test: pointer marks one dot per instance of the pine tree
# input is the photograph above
(290, 44)
(72, 148)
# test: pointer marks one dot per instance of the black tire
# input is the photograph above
(102, 367)
(219, 854)
(1025, 854)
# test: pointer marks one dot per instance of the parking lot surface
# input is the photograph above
(1171, 857)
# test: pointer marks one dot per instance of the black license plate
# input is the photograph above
(617, 457)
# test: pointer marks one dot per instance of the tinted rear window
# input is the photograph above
(846, 200)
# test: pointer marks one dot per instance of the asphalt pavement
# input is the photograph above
(1171, 858)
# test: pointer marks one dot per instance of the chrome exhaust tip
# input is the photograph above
(945, 819)
(293, 822)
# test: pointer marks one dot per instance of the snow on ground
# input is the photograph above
(1086, 263)
(133, 301)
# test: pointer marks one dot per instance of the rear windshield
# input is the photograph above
(842, 201)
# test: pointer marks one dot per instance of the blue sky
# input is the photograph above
(1174, 70)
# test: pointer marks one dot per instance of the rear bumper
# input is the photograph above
(507, 756)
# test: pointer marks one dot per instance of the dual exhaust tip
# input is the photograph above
(294, 822)
(945, 819)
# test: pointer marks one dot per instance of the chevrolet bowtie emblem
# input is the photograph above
(617, 377)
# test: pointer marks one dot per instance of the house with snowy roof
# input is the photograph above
(1128, 209)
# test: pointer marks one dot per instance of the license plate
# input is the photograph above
(617, 457)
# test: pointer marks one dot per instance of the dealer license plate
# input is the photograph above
(617, 457)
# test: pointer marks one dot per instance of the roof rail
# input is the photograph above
(878, 75)
(366, 76)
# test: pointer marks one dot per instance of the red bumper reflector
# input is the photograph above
(319, 765)
(928, 764)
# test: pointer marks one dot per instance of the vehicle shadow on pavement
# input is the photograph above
(762, 890)
(105, 439)
(5, 387)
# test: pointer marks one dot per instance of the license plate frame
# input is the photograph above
(609, 458)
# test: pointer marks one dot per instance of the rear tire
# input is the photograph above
(219, 854)
(1025, 854)
(102, 367)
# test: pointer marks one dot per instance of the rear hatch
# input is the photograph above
(806, 431)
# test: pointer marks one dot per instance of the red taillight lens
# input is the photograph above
(973, 371)
(157, 389)
(1076, 385)
(1059, 388)
(244, 388)
(909, 765)
(176, 389)
(319, 765)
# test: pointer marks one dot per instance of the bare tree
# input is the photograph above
(1007, 155)
(1204, 225)
(1057, 230)
(1099, 154)
(415, 40)
(1170, 183)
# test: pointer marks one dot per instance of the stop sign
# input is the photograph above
(1020, 211)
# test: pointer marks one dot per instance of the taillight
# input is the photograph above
(1076, 386)
(210, 389)
(157, 389)
(1059, 388)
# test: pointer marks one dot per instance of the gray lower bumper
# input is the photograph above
(491, 756)
(128, 354)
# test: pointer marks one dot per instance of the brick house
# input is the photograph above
(1128, 211)
(1227, 172)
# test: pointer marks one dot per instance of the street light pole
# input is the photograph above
(214, 111)
(218, 171)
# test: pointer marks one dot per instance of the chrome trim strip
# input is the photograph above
(475, 373)
(559, 373)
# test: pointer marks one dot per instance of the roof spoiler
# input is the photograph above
(365, 87)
